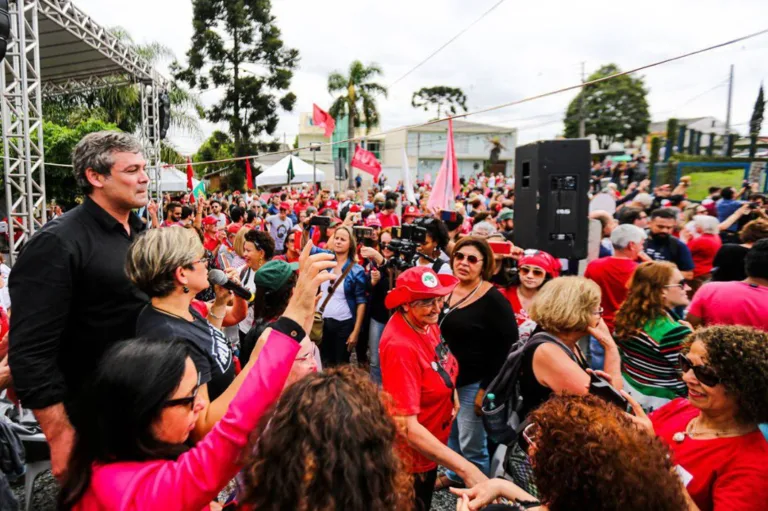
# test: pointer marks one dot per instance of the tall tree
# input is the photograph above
(446, 99)
(357, 100)
(756, 123)
(236, 46)
(616, 109)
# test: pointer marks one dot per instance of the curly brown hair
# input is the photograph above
(589, 455)
(739, 356)
(645, 300)
(754, 231)
(328, 443)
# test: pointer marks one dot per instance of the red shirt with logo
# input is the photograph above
(720, 473)
(408, 369)
(612, 274)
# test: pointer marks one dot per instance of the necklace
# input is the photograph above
(169, 313)
(448, 309)
(692, 432)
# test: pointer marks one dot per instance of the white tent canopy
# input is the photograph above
(174, 180)
(277, 174)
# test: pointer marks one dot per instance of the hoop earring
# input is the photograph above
(185, 289)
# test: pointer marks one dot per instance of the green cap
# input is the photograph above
(506, 214)
(274, 274)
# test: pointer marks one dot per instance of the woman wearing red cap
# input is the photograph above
(419, 372)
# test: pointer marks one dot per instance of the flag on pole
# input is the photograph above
(291, 174)
(198, 192)
(248, 175)
(190, 184)
(367, 162)
(407, 185)
(323, 119)
(447, 182)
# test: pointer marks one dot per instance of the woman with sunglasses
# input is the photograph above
(650, 335)
(419, 372)
(479, 326)
(534, 269)
(168, 265)
(146, 397)
(720, 453)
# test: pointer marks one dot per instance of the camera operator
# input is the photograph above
(382, 277)
(432, 250)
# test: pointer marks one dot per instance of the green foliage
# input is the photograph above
(756, 122)
(615, 109)
(356, 99)
(655, 151)
(218, 146)
(671, 129)
(701, 181)
(228, 36)
(446, 99)
(59, 142)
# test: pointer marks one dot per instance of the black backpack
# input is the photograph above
(503, 422)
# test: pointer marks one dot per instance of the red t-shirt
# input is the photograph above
(721, 473)
(612, 275)
(389, 220)
(210, 242)
(299, 207)
(731, 303)
(417, 388)
(703, 250)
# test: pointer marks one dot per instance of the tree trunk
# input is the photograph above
(351, 149)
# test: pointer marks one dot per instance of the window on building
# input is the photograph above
(374, 146)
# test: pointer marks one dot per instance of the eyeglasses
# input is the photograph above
(203, 260)
(599, 311)
(185, 401)
(537, 272)
(705, 374)
(680, 284)
(471, 258)
(304, 359)
(430, 302)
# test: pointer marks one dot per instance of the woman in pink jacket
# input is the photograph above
(130, 452)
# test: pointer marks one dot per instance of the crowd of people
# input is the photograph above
(351, 359)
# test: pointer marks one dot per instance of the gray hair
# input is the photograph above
(643, 198)
(707, 224)
(483, 229)
(625, 234)
(154, 257)
(95, 152)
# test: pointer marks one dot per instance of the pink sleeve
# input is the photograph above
(196, 478)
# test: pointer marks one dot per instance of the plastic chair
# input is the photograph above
(34, 469)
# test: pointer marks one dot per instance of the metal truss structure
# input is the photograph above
(57, 49)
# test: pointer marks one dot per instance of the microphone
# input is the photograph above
(219, 278)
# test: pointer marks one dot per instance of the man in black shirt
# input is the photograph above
(71, 297)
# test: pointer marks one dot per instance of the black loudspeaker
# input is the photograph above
(5, 27)
(164, 101)
(551, 202)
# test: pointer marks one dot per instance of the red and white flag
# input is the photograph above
(367, 162)
(323, 119)
(190, 183)
(447, 183)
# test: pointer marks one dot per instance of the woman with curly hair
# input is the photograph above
(329, 443)
(650, 335)
(720, 453)
(586, 454)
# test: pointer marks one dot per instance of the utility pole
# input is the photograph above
(582, 127)
(314, 147)
(730, 101)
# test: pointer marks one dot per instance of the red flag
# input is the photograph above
(190, 184)
(367, 162)
(323, 119)
(248, 175)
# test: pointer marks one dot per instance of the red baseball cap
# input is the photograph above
(419, 283)
(354, 208)
(543, 260)
(210, 220)
(285, 206)
(302, 195)
(411, 211)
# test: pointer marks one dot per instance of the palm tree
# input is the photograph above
(357, 99)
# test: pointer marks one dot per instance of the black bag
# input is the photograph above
(503, 422)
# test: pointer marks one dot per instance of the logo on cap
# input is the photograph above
(429, 280)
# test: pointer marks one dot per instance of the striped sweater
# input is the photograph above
(649, 357)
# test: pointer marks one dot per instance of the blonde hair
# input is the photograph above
(565, 304)
(154, 257)
(239, 242)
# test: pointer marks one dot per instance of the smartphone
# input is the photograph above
(500, 247)
(362, 233)
(448, 216)
(605, 391)
(320, 221)
(754, 205)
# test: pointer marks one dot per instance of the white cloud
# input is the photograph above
(519, 50)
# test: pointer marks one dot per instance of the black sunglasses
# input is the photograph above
(185, 401)
(705, 374)
(472, 258)
(441, 355)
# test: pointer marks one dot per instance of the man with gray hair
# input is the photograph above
(71, 297)
(612, 274)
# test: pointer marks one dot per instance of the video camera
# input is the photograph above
(406, 240)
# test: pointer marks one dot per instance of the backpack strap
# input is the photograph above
(332, 289)
(540, 338)
(437, 265)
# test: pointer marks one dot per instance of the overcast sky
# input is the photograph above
(521, 49)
